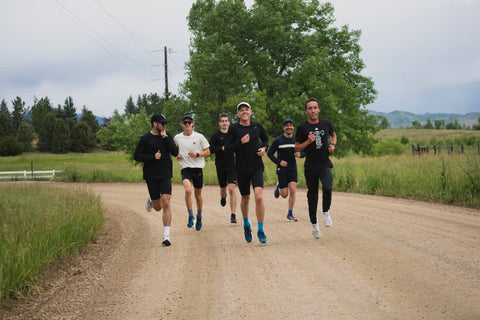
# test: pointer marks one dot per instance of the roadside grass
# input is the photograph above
(42, 225)
(444, 179)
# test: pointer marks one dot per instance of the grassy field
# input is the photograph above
(44, 224)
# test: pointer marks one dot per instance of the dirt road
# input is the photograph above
(382, 258)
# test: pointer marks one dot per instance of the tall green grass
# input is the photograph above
(38, 225)
(445, 179)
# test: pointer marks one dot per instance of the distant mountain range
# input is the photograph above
(405, 119)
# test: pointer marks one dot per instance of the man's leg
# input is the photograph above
(259, 205)
(233, 202)
(293, 194)
(312, 180)
(167, 211)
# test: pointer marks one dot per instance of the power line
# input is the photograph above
(89, 31)
(125, 29)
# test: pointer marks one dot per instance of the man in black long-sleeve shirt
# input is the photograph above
(225, 164)
(284, 146)
(154, 149)
(245, 137)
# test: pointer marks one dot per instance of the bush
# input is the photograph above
(388, 147)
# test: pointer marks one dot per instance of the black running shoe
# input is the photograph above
(233, 218)
(198, 225)
(276, 192)
(223, 201)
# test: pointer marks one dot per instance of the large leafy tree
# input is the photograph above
(284, 51)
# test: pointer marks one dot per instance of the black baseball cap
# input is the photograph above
(287, 121)
(159, 118)
(187, 116)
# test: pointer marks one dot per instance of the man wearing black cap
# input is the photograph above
(154, 149)
(193, 148)
(244, 139)
(312, 136)
(284, 146)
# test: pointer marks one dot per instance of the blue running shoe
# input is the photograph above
(248, 233)
(190, 221)
(261, 236)
(198, 225)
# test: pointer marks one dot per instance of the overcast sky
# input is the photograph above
(423, 55)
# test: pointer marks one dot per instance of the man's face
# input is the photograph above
(288, 128)
(187, 124)
(224, 123)
(159, 126)
(312, 110)
(244, 113)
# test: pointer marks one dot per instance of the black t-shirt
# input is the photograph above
(317, 152)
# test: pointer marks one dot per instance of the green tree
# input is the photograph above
(25, 136)
(43, 117)
(384, 124)
(130, 106)
(282, 52)
(83, 138)
(428, 125)
(68, 110)
(454, 125)
(60, 141)
(18, 113)
(4, 109)
(89, 118)
(439, 124)
(416, 124)
(477, 126)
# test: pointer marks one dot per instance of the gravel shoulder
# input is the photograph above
(383, 258)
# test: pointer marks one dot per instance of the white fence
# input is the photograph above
(25, 174)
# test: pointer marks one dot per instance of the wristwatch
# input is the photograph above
(198, 154)
(333, 144)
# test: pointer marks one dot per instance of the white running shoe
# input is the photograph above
(166, 240)
(148, 204)
(315, 230)
(327, 221)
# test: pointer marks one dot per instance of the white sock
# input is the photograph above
(166, 231)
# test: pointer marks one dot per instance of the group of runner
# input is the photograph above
(238, 150)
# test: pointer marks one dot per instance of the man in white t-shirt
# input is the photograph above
(193, 148)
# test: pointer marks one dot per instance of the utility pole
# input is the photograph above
(166, 75)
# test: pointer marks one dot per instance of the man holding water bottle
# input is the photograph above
(312, 137)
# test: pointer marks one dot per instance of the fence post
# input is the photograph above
(462, 148)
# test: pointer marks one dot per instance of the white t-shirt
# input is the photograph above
(195, 142)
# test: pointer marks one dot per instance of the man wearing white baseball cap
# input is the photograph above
(249, 141)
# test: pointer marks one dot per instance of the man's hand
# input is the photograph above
(158, 155)
(261, 151)
(245, 138)
(284, 163)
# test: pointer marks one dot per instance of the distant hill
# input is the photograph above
(405, 119)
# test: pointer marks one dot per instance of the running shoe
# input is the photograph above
(233, 218)
(223, 201)
(290, 217)
(191, 219)
(166, 241)
(315, 230)
(248, 233)
(261, 236)
(327, 221)
(276, 192)
(198, 225)
(148, 204)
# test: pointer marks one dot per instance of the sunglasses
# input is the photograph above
(187, 122)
